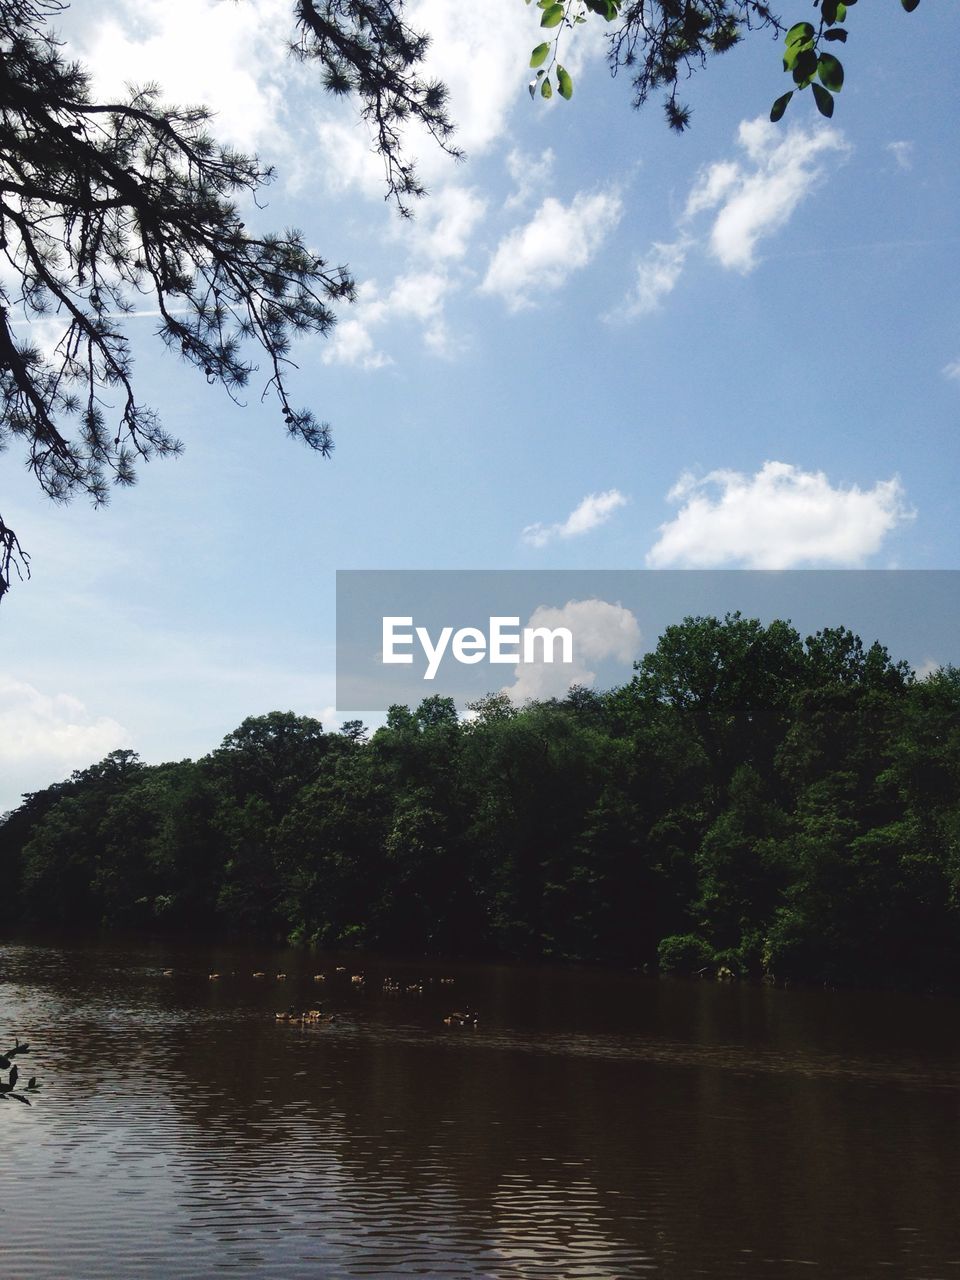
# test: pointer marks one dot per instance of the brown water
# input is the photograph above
(593, 1125)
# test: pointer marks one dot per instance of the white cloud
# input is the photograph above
(902, 152)
(559, 239)
(48, 735)
(230, 57)
(714, 185)
(350, 161)
(416, 296)
(594, 510)
(952, 370)
(600, 631)
(474, 52)
(657, 275)
(747, 199)
(444, 225)
(777, 519)
(928, 668)
(530, 174)
(752, 203)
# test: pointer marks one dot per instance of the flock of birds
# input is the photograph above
(390, 986)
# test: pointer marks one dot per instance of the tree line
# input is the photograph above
(748, 800)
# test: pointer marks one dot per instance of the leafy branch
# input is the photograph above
(118, 208)
(546, 56)
(8, 1087)
(366, 49)
(661, 43)
(809, 64)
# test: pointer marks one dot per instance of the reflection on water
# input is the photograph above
(592, 1125)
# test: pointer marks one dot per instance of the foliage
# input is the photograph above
(685, 953)
(108, 206)
(662, 42)
(777, 806)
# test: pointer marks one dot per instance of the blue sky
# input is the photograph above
(598, 345)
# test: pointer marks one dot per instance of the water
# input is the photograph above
(593, 1125)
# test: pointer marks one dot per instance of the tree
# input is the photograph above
(727, 684)
(102, 204)
(662, 42)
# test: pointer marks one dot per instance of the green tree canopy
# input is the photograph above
(748, 801)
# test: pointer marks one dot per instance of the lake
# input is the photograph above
(592, 1124)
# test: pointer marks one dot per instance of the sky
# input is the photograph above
(597, 345)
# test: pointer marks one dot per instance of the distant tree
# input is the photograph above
(270, 758)
(726, 684)
(354, 731)
(108, 205)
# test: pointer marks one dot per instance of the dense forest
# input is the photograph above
(748, 801)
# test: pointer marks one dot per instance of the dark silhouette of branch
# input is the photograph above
(110, 208)
(366, 49)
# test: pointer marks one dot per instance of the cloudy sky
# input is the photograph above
(597, 345)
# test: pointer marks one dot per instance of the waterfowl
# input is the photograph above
(281, 977)
(259, 974)
(319, 977)
(358, 979)
(168, 973)
(460, 1020)
(213, 977)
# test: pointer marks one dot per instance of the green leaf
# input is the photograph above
(841, 12)
(824, 100)
(837, 33)
(792, 55)
(532, 86)
(552, 16)
(546, 88)
(830, 71)
(780, 106)
(539, 54)
(564, 83)
(798, 33)
(828, 9)
(909, 5)
(607, 9)
(805, 68)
